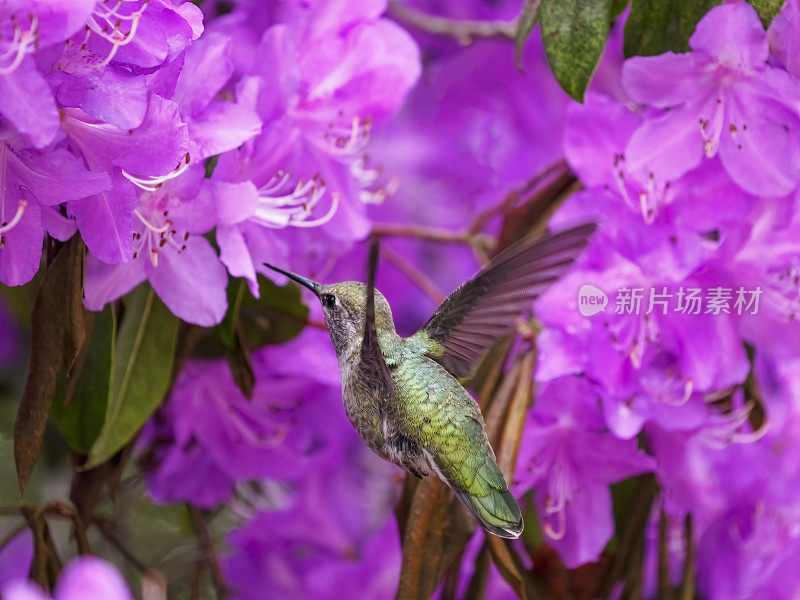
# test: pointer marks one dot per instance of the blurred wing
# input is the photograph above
(372, 366)
(486, 307)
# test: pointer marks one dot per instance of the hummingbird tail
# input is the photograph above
(497, 512)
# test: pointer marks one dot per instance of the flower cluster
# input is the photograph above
(691, 170)
(111, 109)
(189, 143)
(309, 495)
(689, 163)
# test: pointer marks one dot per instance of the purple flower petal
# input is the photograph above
(191, 283)
(22, 589)
(208, 56)
(110, 94)
(21, 245)
(223, 126)
(91, 577)
(105, 220)
(17, 554)
(733, 35)
(29, 104)
(105, 283)
(761, 149)
(667, 146)
(57, 176)
(234, 202)
(595, 137)
(667, 79)
(784, 37)
(57, 225)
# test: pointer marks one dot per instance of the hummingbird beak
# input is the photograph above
(304, 281)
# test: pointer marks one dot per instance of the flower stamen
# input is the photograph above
(20, 45)
(279, 207)
(108, 23)
(151, 184)
(7, 226)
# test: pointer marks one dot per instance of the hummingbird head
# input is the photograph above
(344, 306)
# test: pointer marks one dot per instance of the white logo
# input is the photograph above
(591, 300)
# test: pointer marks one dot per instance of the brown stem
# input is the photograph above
(511, 437)
(510, 566)
(435, 234)
(483, 218)
(419, 278)
(687, 586)
(465, 31)
(451, 579)
(197, 579)
(68, 512)
(207, 546)
(664, 587)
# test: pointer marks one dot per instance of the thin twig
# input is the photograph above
(197, 576)
(465, 31)
(111, 537)
(66, 511)
(482, 219)
(664, 587)
(207, 546)
(422, 281)
(687, 586)
(436, 234)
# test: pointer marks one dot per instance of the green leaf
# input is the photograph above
(574, 34)
(766, 9)
(527, 20)
(276, 317)
(140, 377)
(210, 165)
(82, 409)
(226, 330)
(658, 26)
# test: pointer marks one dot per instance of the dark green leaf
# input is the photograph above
(210, 165)
(57, 335)
(766, 9)
(658, 26)
(240, 365)
(276, 317)
(142, 365)
(82, 410)
(230, 334)
(525, 23)
(574, 34)
(617, 6)
(226, 330)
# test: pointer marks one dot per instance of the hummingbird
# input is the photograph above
(402, 394)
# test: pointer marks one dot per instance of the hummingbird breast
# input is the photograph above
(427, 415)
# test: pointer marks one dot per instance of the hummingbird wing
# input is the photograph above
(486, 307)
(372, 364)
(374, 375)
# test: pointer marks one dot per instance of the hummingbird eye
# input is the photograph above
(328, 300)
